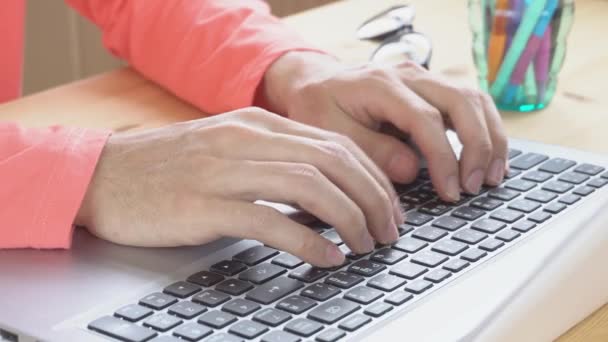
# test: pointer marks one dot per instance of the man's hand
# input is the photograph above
(193, 182)
(360, 102)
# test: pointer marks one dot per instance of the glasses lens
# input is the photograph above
(386, 23)
(410, 46)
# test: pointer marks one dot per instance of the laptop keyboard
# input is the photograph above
(267, 295)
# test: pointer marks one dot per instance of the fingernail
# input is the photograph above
(398, 167)
(473, 183)
(367, 243)
(393, 234)
(334, 255)
(399, 217)
(453, 188)
(497, 172)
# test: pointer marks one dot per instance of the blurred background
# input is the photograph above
(61, 46)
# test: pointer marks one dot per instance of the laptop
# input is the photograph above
(524, 259)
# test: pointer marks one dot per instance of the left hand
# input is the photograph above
(358, 101)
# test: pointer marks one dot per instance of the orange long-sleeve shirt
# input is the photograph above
(211, 53)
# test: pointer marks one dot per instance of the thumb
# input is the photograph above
(395, 158)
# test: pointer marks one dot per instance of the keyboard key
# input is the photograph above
(416, 218)
(186, 309)
(524, 226)
(287, 260)
(410, 245)
(320, 291)
(486, 203)
(366, 268)
(508, 235)
(473, 255)
(438, 275)
(556, 165)
(404, 229)
(272, 317)
(333, 237)
(363, 294)
(211, 298)
(528, 161)
(488, 226)
(385, 282)
(429, 233)
(330, 335)
(455, 265)
(469, 236)
(503, 194)
(388, 256)
(223, 337)
(539, 217)
(296, 304)
(435, 208)
(558, 187)
(512, 173)
(274, 290)
(605, 175)
(205, 278)
(303, 327)
(554, 208)
(506, 215)
(491, 245)
(280, 336)
(429, 258)
(569, 199)
(408, 270)
(589, 169)
(449, 247)
(181, 289)
(228, 267)
(598, 183)
(468, 213)
(524, 205)
(354, 322)
(418, 286)
(217, 319)
(513, 153)
(248, 329)
(158, 301)
(583, 190)
(308, 273)
(192, 331)
(343, 279)
(262, 273)
(417, 197)
(162, 322)
(241, 307)
(520, 185)
(255, 255)
(121, 329)
(541, 196)
(378, 309)
(133, 312)
(398, 298)
(537, 176)
(449, 223)
(573, 177)
(234, 287)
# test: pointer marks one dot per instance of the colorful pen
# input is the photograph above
(517, 7)
(530, 50)
(498, 38)
(541, 64)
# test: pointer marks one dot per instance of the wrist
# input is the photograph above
(290, 73)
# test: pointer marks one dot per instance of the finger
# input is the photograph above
(269, 226)
(499, 162)
(340, 167)
(304, 186)
(349, 128)
(467, 114)
(412, 114)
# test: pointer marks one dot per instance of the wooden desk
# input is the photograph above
(122, 100)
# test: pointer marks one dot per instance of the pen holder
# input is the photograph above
(518, 49)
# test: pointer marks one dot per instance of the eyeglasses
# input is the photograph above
(394, 29)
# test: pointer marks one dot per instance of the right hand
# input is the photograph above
(194, 182)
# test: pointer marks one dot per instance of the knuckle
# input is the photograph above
(432, 116)
(255, 114)
(306, 173)
(335, 151)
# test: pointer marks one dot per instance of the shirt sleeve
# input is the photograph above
(211, 53)
(45, 174)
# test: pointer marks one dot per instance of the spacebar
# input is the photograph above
(121, 329)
